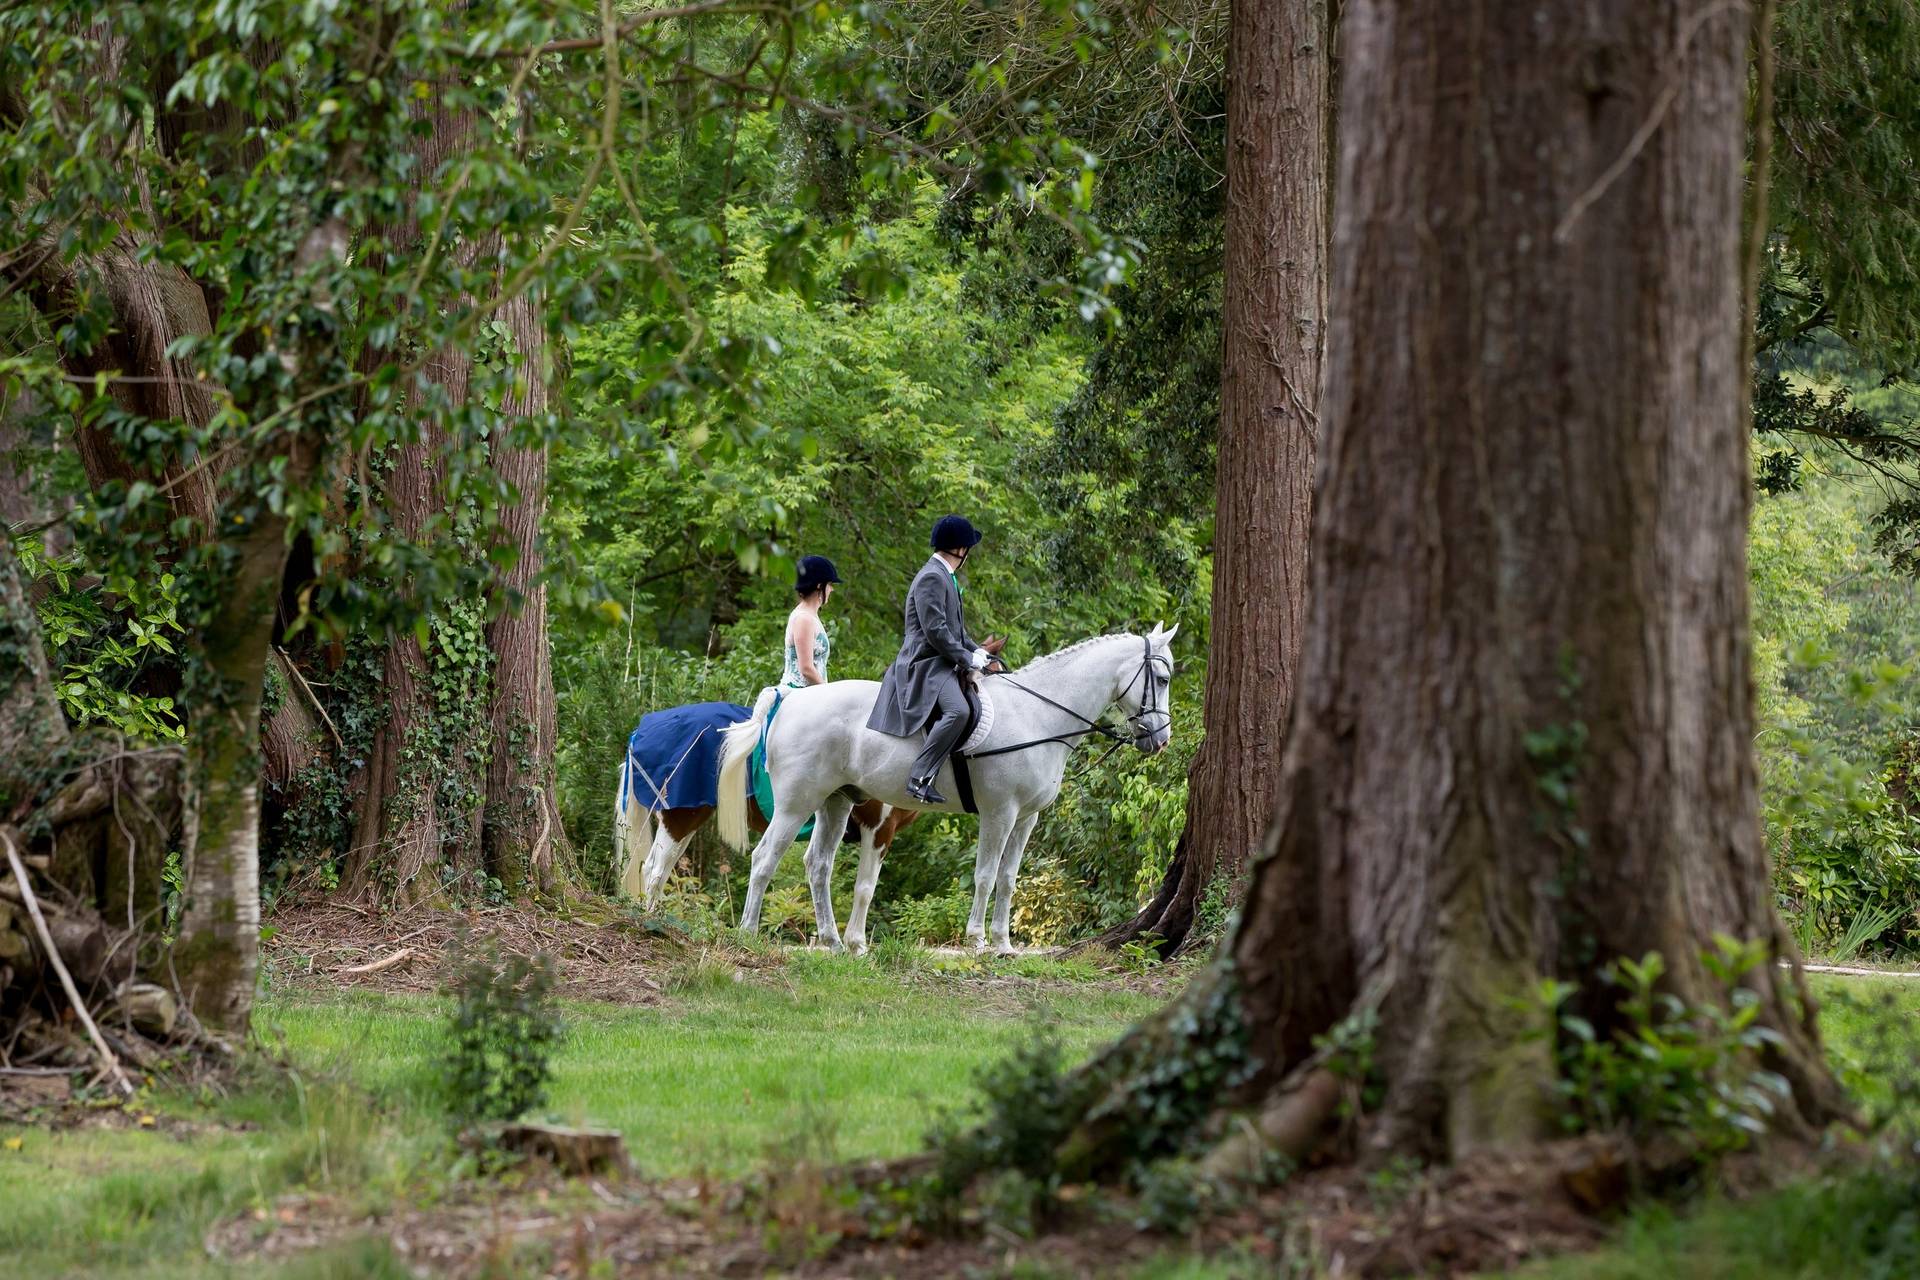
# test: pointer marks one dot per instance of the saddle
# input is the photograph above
(979, 725)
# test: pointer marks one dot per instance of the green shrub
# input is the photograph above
(501, 1033)
(1667, 1066)
(1048, 905)
(1846, 854)
(98, 653)
(938, 919)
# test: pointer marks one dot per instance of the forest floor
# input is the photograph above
(744, 1081)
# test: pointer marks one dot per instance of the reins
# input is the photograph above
(1148, 708)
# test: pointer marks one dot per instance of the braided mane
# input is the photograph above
(1076, 647)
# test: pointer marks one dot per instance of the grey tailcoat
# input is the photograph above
(936, 649)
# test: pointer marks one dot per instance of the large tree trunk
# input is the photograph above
(523, 831)
(1523, 743)
(420, 791)
(1273, 312)
(402, 837)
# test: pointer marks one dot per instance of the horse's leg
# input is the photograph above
(872, 852)
(676, 828)
(1003, 889)
(661, 859)
(995, 826)
(766, 860)
(829, 824)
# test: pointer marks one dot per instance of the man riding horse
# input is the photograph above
(923, 688)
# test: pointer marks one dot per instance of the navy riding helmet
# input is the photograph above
(815, 573)
(954, 533)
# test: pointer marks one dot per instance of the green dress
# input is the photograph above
(822, 648)
(789, 679)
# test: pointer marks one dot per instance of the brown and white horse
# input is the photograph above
(872, 825)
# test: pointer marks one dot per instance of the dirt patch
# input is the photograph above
(333, 946)
(1487, 1214)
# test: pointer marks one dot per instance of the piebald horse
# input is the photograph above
(871, 825)
(823, 760)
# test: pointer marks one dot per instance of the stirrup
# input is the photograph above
(921, 789)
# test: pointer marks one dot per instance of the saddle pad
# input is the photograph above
(984, 725)
(760, 782)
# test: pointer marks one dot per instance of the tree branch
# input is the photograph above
(585, 44)
(110, 1063)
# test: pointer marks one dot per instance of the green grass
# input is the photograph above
(1864, 1227)
(852, 1057)
(831, 1049)
(835, 1054)
(93, 1201)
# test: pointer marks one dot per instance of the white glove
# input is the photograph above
(980, 659)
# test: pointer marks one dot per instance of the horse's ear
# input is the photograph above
(1159, 630)
(1167, 635)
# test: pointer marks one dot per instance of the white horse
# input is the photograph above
(645, 851)
(822, 759)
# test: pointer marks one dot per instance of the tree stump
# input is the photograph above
(574, 1152)
(149, 1008)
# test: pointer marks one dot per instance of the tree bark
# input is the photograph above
(1523, 743)
(523, 832)
(408, 824)
(399, 837)
(33, 732)
(217, 956)
(1273, 315)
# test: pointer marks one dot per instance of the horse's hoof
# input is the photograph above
(1005, 950)
(857, 946)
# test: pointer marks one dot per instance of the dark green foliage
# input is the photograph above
(307, 826)
(501, 1033)
(1847, 116)
(110, 643)
(1144, 1100)
(1658, 1065)
(1028, 1105)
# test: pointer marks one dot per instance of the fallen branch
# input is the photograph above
(111, 1063)
(378, 966)
(312, 698)
(1856, 971)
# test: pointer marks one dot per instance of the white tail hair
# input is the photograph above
(741, 740)
(632, 830)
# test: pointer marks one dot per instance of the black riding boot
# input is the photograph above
(943, 735)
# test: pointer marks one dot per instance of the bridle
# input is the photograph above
(1142, 731)
(1149, 696)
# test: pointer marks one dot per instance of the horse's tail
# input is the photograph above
(741, 739)
(632, 830)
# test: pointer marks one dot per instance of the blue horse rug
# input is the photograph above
(676, 758)
(676, 754)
